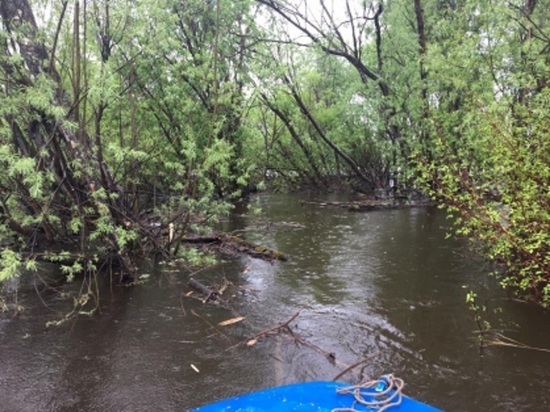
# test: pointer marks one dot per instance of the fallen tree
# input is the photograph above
(230, 245)
(369, 205)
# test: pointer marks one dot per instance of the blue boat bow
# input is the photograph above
(313, 397)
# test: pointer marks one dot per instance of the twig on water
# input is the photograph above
(276, 329)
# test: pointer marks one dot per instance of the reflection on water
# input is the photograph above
(382, 286)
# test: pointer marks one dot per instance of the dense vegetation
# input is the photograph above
(126, 126)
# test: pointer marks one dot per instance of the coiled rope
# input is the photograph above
(377, 395)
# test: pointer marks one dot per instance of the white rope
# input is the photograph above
(381, 394)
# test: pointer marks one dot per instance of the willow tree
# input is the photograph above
(194, 72)
(319, 101)
(488, 106)
(59, 185)
(113, 128)
(355, 33)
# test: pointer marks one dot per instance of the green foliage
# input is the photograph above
(70, 271)
(478, 312)
(290, 146)
(195, 257)
(10, 264)
(490, 146)
(140, 119)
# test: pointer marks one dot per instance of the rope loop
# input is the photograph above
(377, 395)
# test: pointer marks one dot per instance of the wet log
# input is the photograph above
(205, 290)
(202, 240)
(257, 251)
(369, 205)
(233, 245)
(365, 205)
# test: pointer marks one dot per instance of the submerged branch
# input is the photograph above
(502, 340)
(367, 205)
(210, 294)
(233, 245)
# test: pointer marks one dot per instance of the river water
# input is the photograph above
(385, 287)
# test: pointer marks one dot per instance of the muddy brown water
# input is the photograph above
(383, 286)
